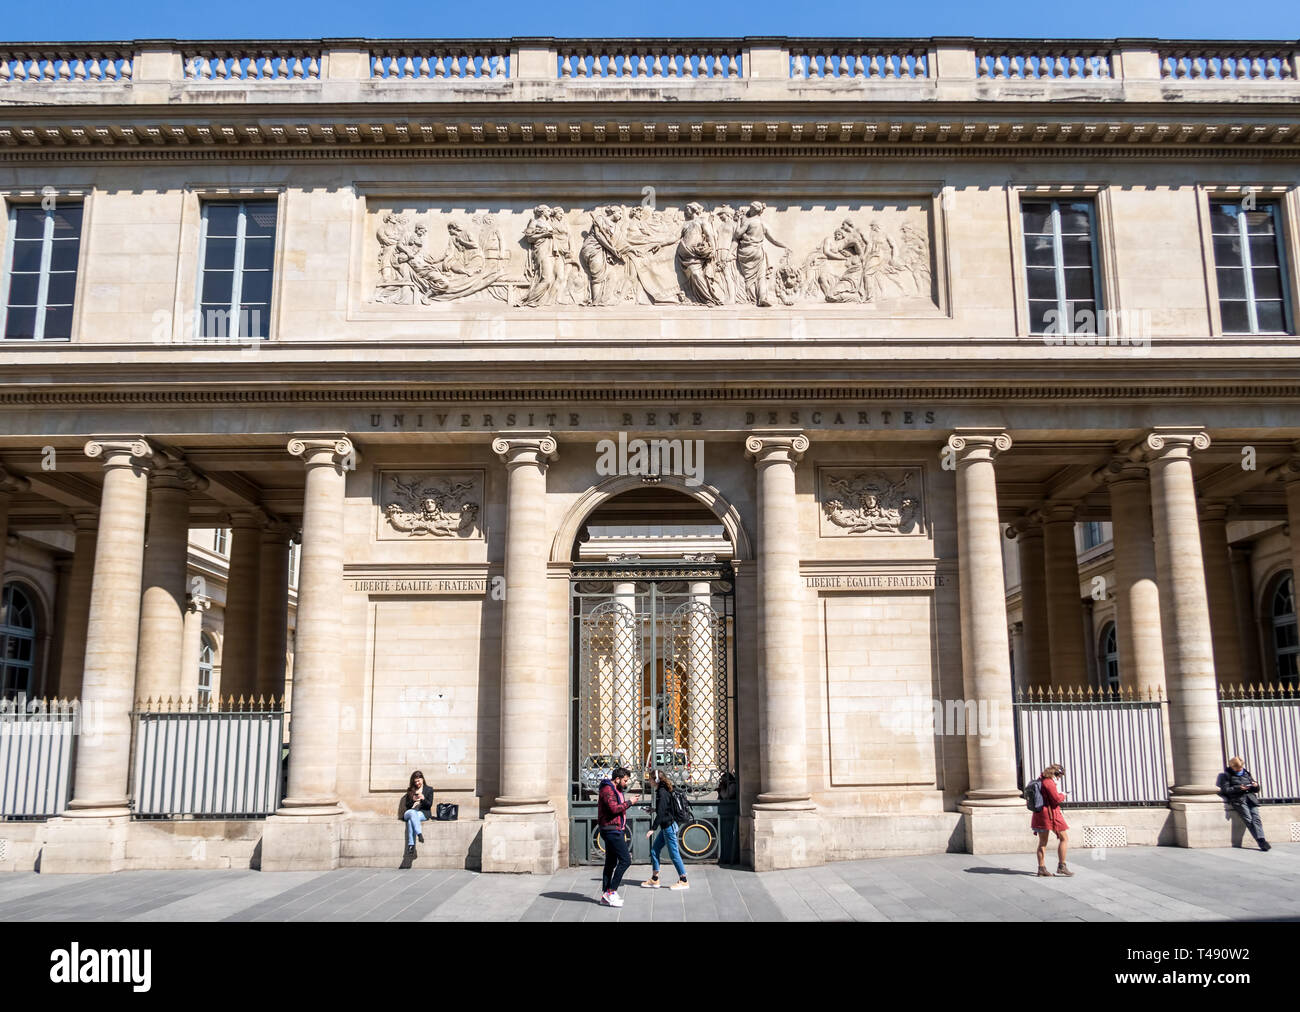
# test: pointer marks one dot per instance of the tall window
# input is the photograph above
(1286, 633)
(1250, 268)
(236, 249)
(1108, 661)
(17, 643)
(207, 660)
(41, 271)
(293, 564)
(1061, 266)
(220, 540)
(1092, 534)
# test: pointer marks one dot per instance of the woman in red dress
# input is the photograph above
(1048, 819)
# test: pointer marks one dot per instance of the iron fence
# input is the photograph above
(37, 753)
(225, 761)
(1261, 724)
(1111, 743)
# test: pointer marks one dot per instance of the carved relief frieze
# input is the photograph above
(877, 255)
(432, 504)
(870, 501)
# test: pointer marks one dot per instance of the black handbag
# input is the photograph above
(447, 812)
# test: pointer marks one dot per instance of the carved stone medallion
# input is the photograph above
(439, 504)
(870, 501)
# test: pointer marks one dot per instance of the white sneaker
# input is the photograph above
(615, 900)
(681, 883)
(651, 883)
(604, 900)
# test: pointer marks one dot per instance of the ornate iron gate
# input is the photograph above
(654, 689)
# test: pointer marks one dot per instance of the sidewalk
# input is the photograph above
(1138, 884)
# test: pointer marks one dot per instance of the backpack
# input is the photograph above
(1033, 795)
(680, 808)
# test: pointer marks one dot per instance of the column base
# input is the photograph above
(996, 825)
(1204, 822)
(523, 840)
(301, 841)
(787, 835)
(85, 845)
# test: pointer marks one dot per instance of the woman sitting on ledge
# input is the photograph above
(417, 804)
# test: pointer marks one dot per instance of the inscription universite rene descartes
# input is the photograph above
(890, 417)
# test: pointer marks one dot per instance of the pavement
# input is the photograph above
(1126, 884)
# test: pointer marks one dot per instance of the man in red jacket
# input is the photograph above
(1048, 819)
(612, 822)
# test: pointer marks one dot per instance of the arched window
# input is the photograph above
(1108, 657)
(17, 642)
(207, 660)
(1286, 634)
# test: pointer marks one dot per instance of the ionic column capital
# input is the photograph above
(1172, 442)
(10, 482)
(324, 449)
(1287, 471)
(974, 445)
(134, 452)
(524, 447)
(1215, 512)
(197, 603)
(1025, 527)
(84, 520)
(278, 532)
(1120, 469)
(776, 446)
(1058, 512)
(251, 518)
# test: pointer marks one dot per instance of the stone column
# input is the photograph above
(1036, 658)
(1086, 606)
(701, 688)
(273, 598)
(1185, 622)
(521, 831)
(305, 833)
(9, 484)
(73, 660)
(625, 704)
(243, 612)
(1069, 665)
(1243, 587)
(1137, 597)
(192, 645)
(166, 556)
(1290, 473)
(63, 576)
(1218, 587)
(91, 835)
(787, 829)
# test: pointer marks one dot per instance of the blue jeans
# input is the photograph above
(668, 835)
(415, 818)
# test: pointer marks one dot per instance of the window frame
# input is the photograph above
(1109, 629)
(27, 197)
(1287, 198)
(206, 643)
(1105, 273)
(237, 269)
(1274, 623)
(24, 633)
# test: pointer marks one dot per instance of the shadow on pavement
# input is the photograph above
(999, 871)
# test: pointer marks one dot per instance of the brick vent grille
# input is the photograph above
(1106, 836)
(1295, 835)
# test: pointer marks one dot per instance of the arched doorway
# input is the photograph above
(652, 643)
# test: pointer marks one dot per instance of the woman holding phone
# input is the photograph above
(417, 804)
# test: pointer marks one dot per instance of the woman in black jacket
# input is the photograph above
(417, 803)
(666, 823)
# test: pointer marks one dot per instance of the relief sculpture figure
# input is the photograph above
(697, 257)
(751, 254)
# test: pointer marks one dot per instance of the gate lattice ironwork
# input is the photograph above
(654, 691)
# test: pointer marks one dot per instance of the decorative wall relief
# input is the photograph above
(619, 255)
(439, 504)
(870, 501)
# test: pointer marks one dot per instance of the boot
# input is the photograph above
(1064, 871)
(1043, 872)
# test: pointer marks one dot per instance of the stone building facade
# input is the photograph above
(663, 402)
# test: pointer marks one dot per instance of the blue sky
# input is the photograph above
(78, 20)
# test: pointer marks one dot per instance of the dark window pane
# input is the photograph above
(20, 324)
(29, 223)
(1223, 218)
(23, 289)
(63, 256)
(1263, 251)
(223, 219)
(259, 218)
(1268, 282)
(1260, 222)
(58, 322)
(1042, 315)
(1078, 283)
(1235, 318)
(219, 254)
(218, 287)
(1075, 221)
(1287, 635)
(62, 288)
(1039, 251)
(67, 221)
(1232, 283)
(1042, 283)
(1227, 251)
(1271, 316)
(1036, 217)
(1076, 250)
(257, 287)
(215, 320)
(1083, 317)
(27, 255)
(258, 254)
(254, 319)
